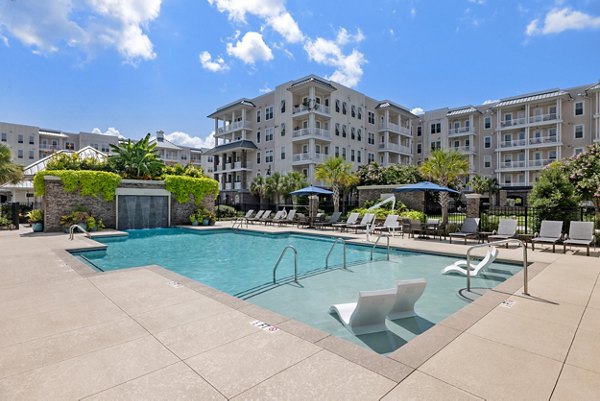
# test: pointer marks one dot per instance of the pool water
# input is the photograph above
(241, 263)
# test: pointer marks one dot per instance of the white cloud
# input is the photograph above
(480, 2)
(348, 67)
(51, 25)
(490, 101)
(210, 64)
(287, 27)
(418, 111)
(250, 49)
(563, 19)
(413, 12)
(184, 139)
(110, 131)
(266, 89)
(4, 40)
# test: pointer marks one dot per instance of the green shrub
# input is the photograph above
(183, 187)
(90, 183)
(413, 215)
(36, 216)
(226, 211)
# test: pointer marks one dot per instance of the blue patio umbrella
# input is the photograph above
(425, 186)
(311, 190)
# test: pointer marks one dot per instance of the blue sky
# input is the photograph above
(136, 66)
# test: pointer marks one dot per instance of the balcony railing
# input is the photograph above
(228, 186)
(553, 139)
(395, 147)
(461, 131)
(514, 143)
(513, 164)
(233, 127)
(311, 132)
(513, 184)
(320, 108)
(540, 162)
(388, 126)
(536, 119)
(308, 157)
(464, 149)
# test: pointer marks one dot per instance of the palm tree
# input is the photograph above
(292, 181)
(258, 188)
(444, 167)
(481, 185)
(136, 160)
(276, 186)
(9, 171)
(336, 172)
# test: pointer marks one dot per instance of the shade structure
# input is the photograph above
(425, 186)
(311, 190)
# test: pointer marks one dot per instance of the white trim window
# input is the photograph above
(578, 109)
(578, 131)
(268, 113)
(268, 134)
(487, 142)
(258, 115)
(269, 156)
(577, 151)
(282, 153)
(487, 161)
(487, 122)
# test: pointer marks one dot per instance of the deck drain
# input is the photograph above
(507, 304)
(174, 284)
(264, 326)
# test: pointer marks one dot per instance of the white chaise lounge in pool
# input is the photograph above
(369, 313)
(460, 266)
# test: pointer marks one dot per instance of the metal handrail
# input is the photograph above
(240, 222)
(295, 263)
(331, 250)
(500, 242)
(72, 231)
(377, 241)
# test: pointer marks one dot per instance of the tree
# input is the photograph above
(584, 172)
(9, 171)
(482, 185)
(136, 160)
(276, 186)
(258, 188)
(554, 194)
(292, 181)
(401, 174)
(445, 167)
(336, 172)
(370, 174)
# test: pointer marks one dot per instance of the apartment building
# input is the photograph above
(171, 153)
(297, 126)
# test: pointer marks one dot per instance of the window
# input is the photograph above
(487, 142)
(317, 149)
(579, 108)
(282, 106)
(344, 153)
(419, 148)
(353, 111)
(436, 128)
(487, 122)
(269, 113)
(31, 140)
(371, 138)
(31, 155)
(360, 113)
(352, 133)
(344, 131)
(305, 172)
(257, 157)
(69, 145)
(337, 129)
(419, 131)
(20, 138)
(337, 105)
(371, 117)
(93, 145)
(358, 157)
(326, 149)
(258, 115)
(268, 134)
(344, 108)
(370, 157)
(20, 153)
(283, 153)
(4, 137)
(577, 151)
(105, 148)
(578, 131)
(282, 129)
(337, 151)
(552, 155)
(487, 161)
(359, 135)
(210, 159)
(352, 156)
(258, 137)
(269, 156)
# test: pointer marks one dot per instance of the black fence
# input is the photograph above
(13, 213)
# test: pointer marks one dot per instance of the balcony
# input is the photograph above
(228, 186)
(45, 146)
(317, 108)
(539, 163)
(461, 131)
(394, 147)
(531, 120)
(307, 133)
(513, 144)
(237, 125)
(463, 149)
(235, 166)
(388, 126)
(545, 140)
(513, 184)
(517, 164)
(307, 158)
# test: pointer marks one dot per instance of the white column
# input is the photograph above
(216, 131)
(244, 116)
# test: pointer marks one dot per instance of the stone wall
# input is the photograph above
(413, 200)
(57, 203)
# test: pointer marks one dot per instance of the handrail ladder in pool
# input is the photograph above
(500, 242)
(331, 250)
(240, 223)
(295, 263)
(381, 234)
(72, 231)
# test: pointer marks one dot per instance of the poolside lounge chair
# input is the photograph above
(256, 217)
(289, 219)
(266, 216)
(460, 266)
(351, 220)
(408, 293)
(390, 224)
(507, 228)
(415, 226)
(469, 229)
(368, 314)
(550, 232)
(280, 215)
(248, 214)
(365, 221)
(333, 219)
(580, 233)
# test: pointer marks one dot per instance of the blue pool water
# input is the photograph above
(241, 263)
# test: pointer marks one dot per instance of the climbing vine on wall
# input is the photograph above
(90, 183)
(182, 187)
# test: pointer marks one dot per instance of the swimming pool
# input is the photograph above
(241, 264)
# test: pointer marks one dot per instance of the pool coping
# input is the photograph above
(395, 366)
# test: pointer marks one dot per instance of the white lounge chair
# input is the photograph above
(289, 219)
(580, 233)
(469, 229)
(460, 266)
(550, 232)
(365, 221)
(390, 224)
(351, 220)
(408, 293)
(507, 228)
(256, 217)
(368, 314)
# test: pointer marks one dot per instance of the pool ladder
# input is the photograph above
(377, 242)
(337, 240)
(72, 231)
(239, 222)
(279, 261)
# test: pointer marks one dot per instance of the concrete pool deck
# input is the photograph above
(68, 332)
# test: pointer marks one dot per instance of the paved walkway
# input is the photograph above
(67, 332)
